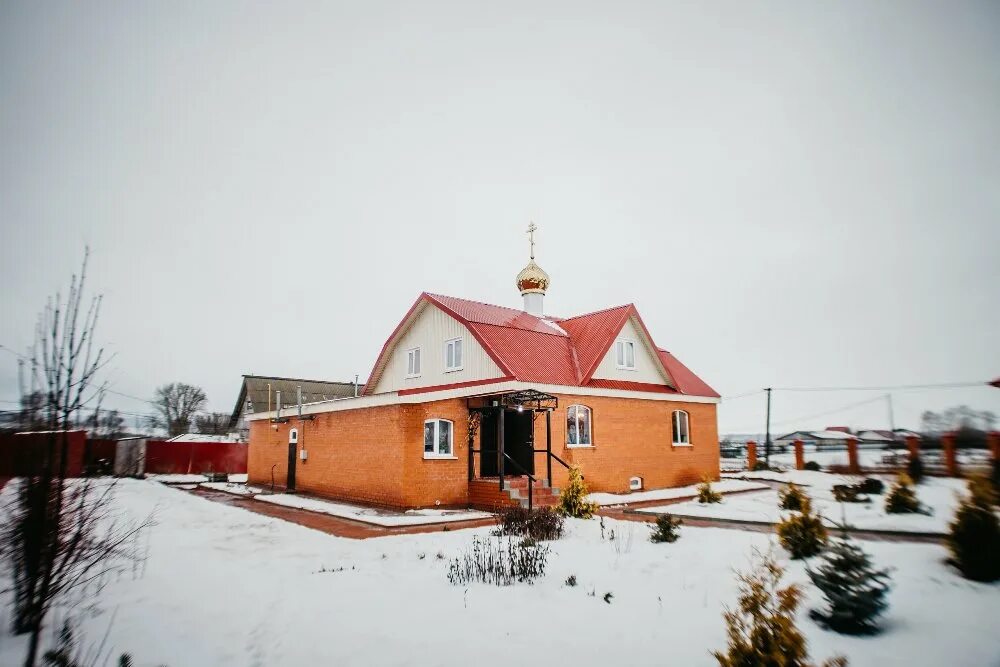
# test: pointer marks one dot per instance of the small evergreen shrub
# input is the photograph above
(761, 630)
(902, 499)
(813, 466)
(573, 499)
(792, 497)
(571, 580)
(539, 523)
(974, 534)
(760, 465)
(915, 469)
(802, 534)
(706, 494)
(666, 529)
(855, 591)
(498, 561)
(872, 486)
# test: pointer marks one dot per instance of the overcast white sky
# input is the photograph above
(792, 193)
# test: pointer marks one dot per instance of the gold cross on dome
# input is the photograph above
(531, 238)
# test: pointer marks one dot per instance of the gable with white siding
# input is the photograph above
(647, 365)
(429, 331)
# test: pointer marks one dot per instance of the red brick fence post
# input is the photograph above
(853, 466)
(751, 455)
(800, 457)
(950, 456)
(913, 444)
(993, 438)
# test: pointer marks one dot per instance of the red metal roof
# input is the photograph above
(556, 351)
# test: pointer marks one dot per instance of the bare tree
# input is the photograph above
(106, 424)
(177, 403)
(59, 536)
(212, 423)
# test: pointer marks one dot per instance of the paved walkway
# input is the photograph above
(332, 525)
(358, 530)
(629, 514)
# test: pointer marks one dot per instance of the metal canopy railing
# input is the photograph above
(526, 400)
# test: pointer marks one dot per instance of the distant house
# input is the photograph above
(818, 439)
(876, 437)
(202, 437)
(260, 393)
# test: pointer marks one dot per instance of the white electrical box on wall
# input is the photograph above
(635, 483)
(302, 454)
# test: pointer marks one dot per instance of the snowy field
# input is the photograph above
(939, 494)
(226, 587)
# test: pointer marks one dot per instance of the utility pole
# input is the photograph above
(767, 436)
(892, 419)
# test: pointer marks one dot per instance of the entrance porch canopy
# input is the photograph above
(518, 400)
(493, 407)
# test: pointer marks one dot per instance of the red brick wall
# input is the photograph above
(375, 455)
(633, 437)
(352, 454)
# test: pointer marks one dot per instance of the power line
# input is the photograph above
(898, 387)
(824, 413)
(749, 393)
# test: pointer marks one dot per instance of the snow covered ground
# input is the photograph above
(181, 478)
(229, 588)
(230, 487)
(939, 494)
(371, 515)
(723, 486)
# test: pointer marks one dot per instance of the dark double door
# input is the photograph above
(518, 442)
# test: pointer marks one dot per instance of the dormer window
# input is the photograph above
(453, 355)
(413, 363)
(625, 354)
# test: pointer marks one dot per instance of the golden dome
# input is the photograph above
(532, 279)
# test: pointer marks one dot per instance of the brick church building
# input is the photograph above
(469, 403)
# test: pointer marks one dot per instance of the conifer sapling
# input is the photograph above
(974, 534)
(761, 630)
(855, 591)
(573, 499)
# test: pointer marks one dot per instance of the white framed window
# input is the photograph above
(413, 362)
(578, 427)
(625, 354)
(682, 434)
(453, 355)
(439, 437)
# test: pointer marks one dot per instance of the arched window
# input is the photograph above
(578, 433)
(293, 436)
(682, 434)
(438, 439)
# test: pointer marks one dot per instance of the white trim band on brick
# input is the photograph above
(393, 398)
